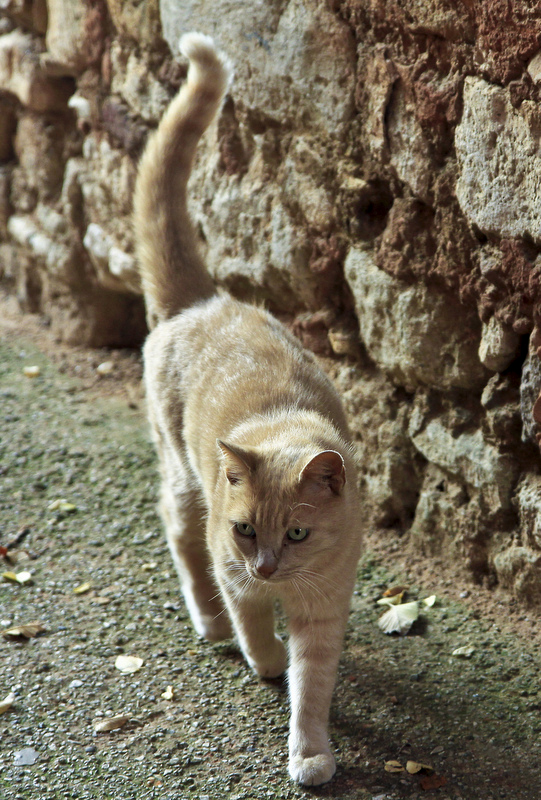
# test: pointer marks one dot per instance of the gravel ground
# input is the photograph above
(68, 435)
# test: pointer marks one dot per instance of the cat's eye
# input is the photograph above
(244, 529)
(297, 534)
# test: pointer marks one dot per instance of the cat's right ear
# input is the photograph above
(238, 464)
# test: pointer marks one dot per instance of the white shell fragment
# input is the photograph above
(7, 702)
(105, 368)
(399, 619)
(128, 664)
(464, 652)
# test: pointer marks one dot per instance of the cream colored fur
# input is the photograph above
(259, 494)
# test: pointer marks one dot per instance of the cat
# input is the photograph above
(258, 496)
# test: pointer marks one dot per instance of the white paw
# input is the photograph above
(314, 770)
(275, 662)
(215, 628)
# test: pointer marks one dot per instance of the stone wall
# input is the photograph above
(374, 177)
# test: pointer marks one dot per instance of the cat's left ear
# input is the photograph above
(326, 470)
(238, 464)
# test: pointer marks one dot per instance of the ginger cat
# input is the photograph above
(259, 495)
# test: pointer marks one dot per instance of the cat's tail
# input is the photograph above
(172, 271)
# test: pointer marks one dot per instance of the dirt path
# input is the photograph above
(69, 435)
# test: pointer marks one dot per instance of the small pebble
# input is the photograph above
(26, 757)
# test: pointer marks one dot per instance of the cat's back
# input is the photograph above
(227, 353)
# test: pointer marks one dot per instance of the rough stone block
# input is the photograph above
(75, 36)
(21, 74)
(291, 72)
(416, 335)
(499, 345)
(498, 155)
(468, 458)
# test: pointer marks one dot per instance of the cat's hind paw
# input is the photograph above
(314, 770)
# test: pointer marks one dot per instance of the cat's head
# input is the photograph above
(283, 512)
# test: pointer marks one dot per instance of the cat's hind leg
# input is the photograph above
(184, 518)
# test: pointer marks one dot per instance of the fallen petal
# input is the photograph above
(429, 601)
(31, 372)
(169, 693)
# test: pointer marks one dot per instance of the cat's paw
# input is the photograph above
(313, 770)
(274, 663)
(215, 627)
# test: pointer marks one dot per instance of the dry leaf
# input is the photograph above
(3, 551)
(19, 577)
(128, 664)
(7, 702)
(393, 600)
(110, 724)
(393, 766)
(28, 631)
(413, 767)
(83, 588)
(433, 782)
(169, 693)
(399, 619)
(394, 590)
(31, 372)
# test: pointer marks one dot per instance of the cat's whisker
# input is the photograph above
(320, 577)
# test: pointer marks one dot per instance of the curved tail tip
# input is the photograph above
(195, 45)
(201, 50)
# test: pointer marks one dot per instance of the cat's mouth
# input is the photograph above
(260, 577)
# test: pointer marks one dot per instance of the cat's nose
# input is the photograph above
(266, 564)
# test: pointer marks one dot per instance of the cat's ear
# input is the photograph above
(325, 471)
(237, 463)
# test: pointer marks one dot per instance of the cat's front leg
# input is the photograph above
(253, 621)
(315, 647)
